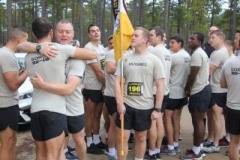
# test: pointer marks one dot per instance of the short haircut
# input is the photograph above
(159, 32)
(219, 33)
(238, 31)
(200, 36)
(64, 21)
(110, 38)
(178, 38)
(41, 27)
(90, 26)
(145, 32)
(15, 32)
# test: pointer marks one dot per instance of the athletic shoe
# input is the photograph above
(190, 155)
(201, 152)
(158, 155)
(93, 149)
(165, 150)
(223, 142)
(211, 149)
(177, 149)
(206, 142)
(101, 145)
(152, 157)
(71, 149)
(70, 156)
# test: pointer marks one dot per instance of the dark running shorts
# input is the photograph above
(94, 95)
(176, 103)
(111, 104)
(164, 103)
(218, 98)
(75, 123)
(233, 121)
(201, 100)
(46, 125)
(139, 120)
(9, 116)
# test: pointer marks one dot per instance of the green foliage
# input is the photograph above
(185, 16)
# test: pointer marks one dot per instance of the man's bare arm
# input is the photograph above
(56, 88)
(98, 72)
(14, 80)
(47, 48)
(191, 79)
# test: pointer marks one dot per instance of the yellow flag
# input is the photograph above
(123, 31)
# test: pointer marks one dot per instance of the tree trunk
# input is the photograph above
(141, 11)
(179, 15)
(234, 19)
(44, 8)
(212, 13)
(166, 13)
(81, 22)
(9, 16)
(35, 8)
(134, 13)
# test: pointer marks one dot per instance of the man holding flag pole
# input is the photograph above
(140, 70)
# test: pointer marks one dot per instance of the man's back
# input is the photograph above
(53, 71)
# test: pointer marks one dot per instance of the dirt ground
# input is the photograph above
(26, 148)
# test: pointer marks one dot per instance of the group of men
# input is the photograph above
(70, 94)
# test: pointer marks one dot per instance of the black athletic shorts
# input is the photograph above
(139, 120)
(75, 123)
(233, 121)
(9, 116)
(94, 95)
(218, 98)
(201, 100)
(111, 104)
(176, 103)
(164, 103)
(46, 125)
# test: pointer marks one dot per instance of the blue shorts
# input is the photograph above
(9, 117)
(218, 98)
(94, 95)
(174, 104)
(233, 121)
(75, 124)
(201, 100)
(46, 125)
(111, 104)
(139, 120)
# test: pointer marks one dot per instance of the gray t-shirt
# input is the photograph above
(140, 71)
(52, 71)
(90, 80)
(8, 63)
(218, 58)
(200, 59)
(165, 56)
(110, 78)
(231, 74)
(179, 72)
(74, 102)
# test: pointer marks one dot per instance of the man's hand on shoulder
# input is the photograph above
(48, 49)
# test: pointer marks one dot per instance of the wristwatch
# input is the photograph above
(157, 109)
(38, 47)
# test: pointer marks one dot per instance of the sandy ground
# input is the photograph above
(25, 144)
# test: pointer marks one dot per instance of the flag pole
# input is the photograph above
(122, 88)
